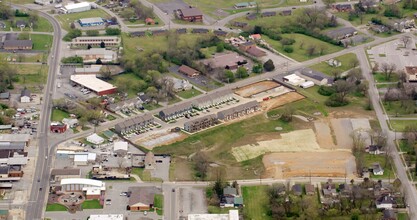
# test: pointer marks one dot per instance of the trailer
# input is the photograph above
(307, 84)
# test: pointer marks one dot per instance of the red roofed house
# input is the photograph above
(255, 37)
(190, 14)
(411, 73)
(190, 72)
(58, 127)
(149, 21)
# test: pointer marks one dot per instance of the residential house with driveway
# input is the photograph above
(124, 105)
(213, 99)
(142, 198)
(134, 123)
(385, 201)
(238, 111)
(188, 71)
(17, 45)
(411, 72)
(175, 111)
(200, 123)
(342, 33)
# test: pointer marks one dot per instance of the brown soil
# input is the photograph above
(255, 88)
(182, 169)
(281, 100)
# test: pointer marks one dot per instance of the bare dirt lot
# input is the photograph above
(158, 138)
(323, 134)
(281, 100)
(330, 163)
(255, 88)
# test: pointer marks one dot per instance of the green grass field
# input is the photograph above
(145, 175)
(402, 216)
(380, 78)
(189, 93)
(327, 69)
(58, 115)
(67, 19)
(42, 25)
(396, 108)
(130, 81)
(31, 74)
(400, 125)
(13, 57)
(55, 207)
(159, 204)
(300, 53)
(41, 41)
(256, 202)
(91, 204)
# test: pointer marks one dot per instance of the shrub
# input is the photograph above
(72, 34)
(113, 31)
(269, 65)
(334, 102)
(92, 33)
(326, 90)
(288, 49)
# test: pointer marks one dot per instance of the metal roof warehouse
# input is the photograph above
(93, 83)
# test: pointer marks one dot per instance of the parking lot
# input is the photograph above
(394, 52)
(200, 80)
(191, 202)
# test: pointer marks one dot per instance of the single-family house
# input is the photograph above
(251, 16)
(345, 189)
(188, 71)
(255, 37)
(125, 105)
(251, 48)
(343, 7)
(241, 5)
(190, 14)
(200, 123)
(297, 189)
(25, 96)
(179, 84)
(21, 24)
(70, 122)
(342, 33)
(238, 111)
(149, 21)
(374, 149)
(142, 198)
(329, 189)
(411, 72)
(5, 95)
(2, 25)
(286, 13)
(239, 24)
(229, 191)
(220, 33)
(181, 31)
(310, 189)
(385, 201)
(175, 111)
(401, 25)
(268, 14)
(377, 170)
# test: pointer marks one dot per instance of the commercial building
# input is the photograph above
(25, 96)
(293, 79)
(317, 77)
(93, 54)
(83, 158)
(120, 147)
(94, 84)
(44, 2)
(238, 111)
(200, 123)
(135, 123)
(17, 45)
(213, 99)
(91, 69)
(96, 41)
(59, 174)
(228, 61)
(57, 127)
(107, 217)
(188, 71)
(142, 198)
(175, 111)
(190, 14)
(95, 139)
(93, 189)
(233, 215)
(90, 22)
(76, 7)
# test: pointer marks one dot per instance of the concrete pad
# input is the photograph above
(324, 136)
(342, 129)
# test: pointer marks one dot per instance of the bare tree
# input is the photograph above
(405, 40)
(375, 67)
(201, 163)
(322, 49)
(311, 50)
(354, 62)
(342, 89)
(388, 69)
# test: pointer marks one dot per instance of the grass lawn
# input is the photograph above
(58, 115)
(41, 41)
(402, 216)
(256, 202)
(42, 25)
(151, 106)
(400, 125)
(130, 81)
(327, 69)
(55, 207)
(396, 108)
(13, 57)
(300, 53)
(145, 175)
(91, 204)
(380, 77)
(173, 100)
(158, 204)
(208, 51)
(67, 19)
(217, 210)
(370, 159)
(189, 93)
(31, 74)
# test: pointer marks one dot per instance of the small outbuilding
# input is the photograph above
(25, 96)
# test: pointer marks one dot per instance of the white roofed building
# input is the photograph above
(293, 79)
(93, 54)
(233, 215)
(91, 82)
(120, 147)
(107, 217)
(95, 139)
(76, 7)
(93, 189)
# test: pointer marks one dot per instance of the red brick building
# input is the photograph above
(58, 128)
(190, 14)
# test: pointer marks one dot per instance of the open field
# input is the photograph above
(91, 204)
(159, 204)
(324, 163)
(42, 25)
(398, 108)
(55, 207)
(189, 93)
(41, 41)
(58, 115)
(131, 82)
(281, 100)
(327, 69)
(255, 88)
(31, 74)
(300, 53)
(67, 19)
(256, 202)
(27, 57)
(400, 125)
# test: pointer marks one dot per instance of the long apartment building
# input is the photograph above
(96, 41)
(213, 99)
(135, 123)
(238, 111)
(200, 123)
(175, 111)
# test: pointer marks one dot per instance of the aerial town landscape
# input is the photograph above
(208, 110)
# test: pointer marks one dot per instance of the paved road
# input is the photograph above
(409, 189)
(36, 203)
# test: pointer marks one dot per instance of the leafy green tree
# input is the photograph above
(92, 33)
(72, 34)
(269, 65)
(242, 72)
(220, 48)
(230, 77)
(113, 31)
(257, 68)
